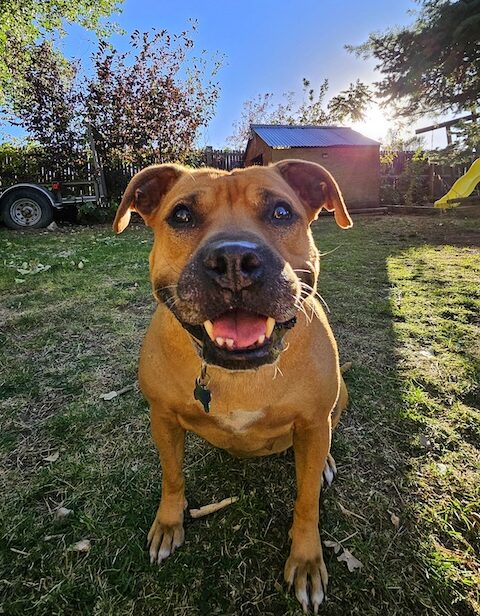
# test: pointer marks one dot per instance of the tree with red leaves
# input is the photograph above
(150, 102)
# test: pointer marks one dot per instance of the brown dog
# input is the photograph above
(234, 270)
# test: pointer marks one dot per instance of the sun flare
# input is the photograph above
(375, 124)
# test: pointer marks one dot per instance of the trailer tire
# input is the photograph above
(26, 208)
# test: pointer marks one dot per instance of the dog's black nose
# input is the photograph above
(233, 265)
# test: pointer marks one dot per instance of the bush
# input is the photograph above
(413, 182)
(91, 213)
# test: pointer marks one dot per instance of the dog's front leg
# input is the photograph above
(305, 567)
(166, 532)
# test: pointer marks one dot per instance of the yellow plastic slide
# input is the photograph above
(463, 187)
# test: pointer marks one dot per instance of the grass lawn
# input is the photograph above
(404, 295)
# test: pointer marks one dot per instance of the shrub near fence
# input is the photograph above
(29, 164)
(410, 178)
(403, 178)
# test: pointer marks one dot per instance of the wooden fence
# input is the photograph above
(28, 166)
(223, 159)
(432, 179)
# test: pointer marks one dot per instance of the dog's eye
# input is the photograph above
(181, 216)
(282, 211)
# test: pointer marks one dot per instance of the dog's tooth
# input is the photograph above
(208, 325)
(270, 326)
(261, 339)
(220, 341)
(229, 342)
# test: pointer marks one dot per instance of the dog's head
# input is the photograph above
(233, 256)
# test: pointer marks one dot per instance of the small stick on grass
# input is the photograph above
(212, 507)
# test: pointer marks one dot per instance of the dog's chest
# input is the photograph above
(238, 420)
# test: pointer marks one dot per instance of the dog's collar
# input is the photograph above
(200, 391)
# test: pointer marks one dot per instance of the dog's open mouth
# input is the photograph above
(237, 339)
(242, 340)
(240, 331)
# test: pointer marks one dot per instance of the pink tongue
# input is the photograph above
(244, 328)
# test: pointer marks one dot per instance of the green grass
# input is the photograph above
(404, 295)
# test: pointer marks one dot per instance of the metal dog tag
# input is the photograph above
(202, 394)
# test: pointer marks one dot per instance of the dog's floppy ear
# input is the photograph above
(316, 187)
(144, 193)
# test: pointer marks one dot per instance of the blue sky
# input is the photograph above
(269, 46)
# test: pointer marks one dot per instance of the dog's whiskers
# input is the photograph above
(311, 290)
(276, 371)
(324, 254)
(299, 305)
(171, 302)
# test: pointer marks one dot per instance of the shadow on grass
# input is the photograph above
(397, 497)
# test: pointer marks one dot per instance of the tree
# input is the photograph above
(25, 23)
(350, 104)
(145, 105)
(150, 102)
(311, 110)
(46, 102)
(433, 65)
(397, 140)
(261, 109)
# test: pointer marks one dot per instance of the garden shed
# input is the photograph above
(352, 158)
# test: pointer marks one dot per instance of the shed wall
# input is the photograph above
(257, 147)
(356, 169)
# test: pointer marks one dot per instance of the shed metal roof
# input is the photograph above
(286, 136)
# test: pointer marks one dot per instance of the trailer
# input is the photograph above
(32, 205)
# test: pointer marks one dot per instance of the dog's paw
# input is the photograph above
(163, 540)
(309, 577)
(329, 471)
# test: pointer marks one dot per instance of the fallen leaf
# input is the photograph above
(82, 546)
(62, 513)
(19, 280)
(53, 457)
(333, 544)
(352, 562)
(394, 519)
(80, 265)
(32, 269)
(346, 556)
